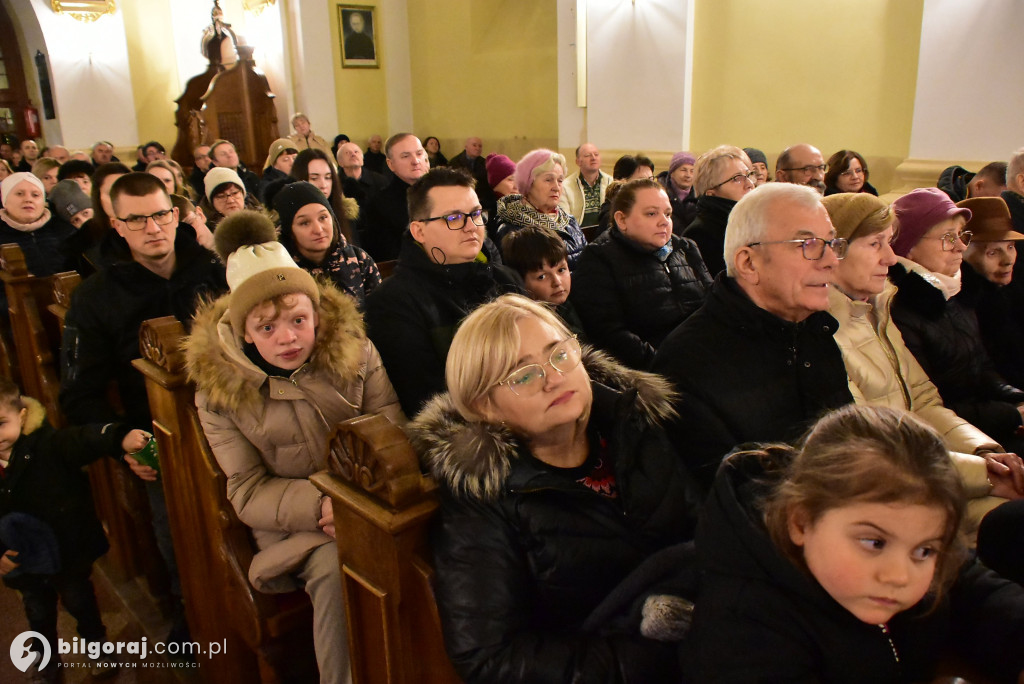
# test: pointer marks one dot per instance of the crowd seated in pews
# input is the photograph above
(761, 305)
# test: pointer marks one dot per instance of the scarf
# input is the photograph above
(25, 227)
(516, 210)
(949, 286)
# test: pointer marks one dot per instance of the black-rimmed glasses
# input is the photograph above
(812, 248)
(738, 178)
(528, 380)
(949, 239)
(810, 168)
(457, 220)
(160, 218)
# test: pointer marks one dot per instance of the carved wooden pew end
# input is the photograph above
(382, 507)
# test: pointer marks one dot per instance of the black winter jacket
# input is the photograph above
(46, 479)
(944, 338)
(629, 301)
(101, 330)
(708, 230)
(746, 375)
(761, 619)
(43, 247)
(411, 318)
(384, 221)
(1000, 315)
(523, 553)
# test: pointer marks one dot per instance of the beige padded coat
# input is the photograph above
(883, 372)
(269, 434)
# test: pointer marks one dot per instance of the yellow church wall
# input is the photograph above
(485, 68)
(154, 72)
(361, 94)
(838, 74)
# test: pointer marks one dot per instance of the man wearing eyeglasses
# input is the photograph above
(802, 164)
(442, 274)
(150, 268)
(758, 362)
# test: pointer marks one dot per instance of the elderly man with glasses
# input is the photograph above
(758, 362)
(802, 164)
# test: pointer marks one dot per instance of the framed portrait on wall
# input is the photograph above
(357, 26)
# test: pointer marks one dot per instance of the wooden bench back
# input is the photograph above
(37, 307)
(34, 333)
(382, 507)
(268, 636)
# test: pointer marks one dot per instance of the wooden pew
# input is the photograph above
(268, 637)
(37, 307)
(382, 506)
(35, 337)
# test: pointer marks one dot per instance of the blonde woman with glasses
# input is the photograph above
(556, 483)
(722, 176)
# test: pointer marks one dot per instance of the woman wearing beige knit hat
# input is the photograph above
(881, 370)
(224, 194)
(277, 363)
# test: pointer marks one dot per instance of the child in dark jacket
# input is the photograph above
(540, 256)
(843, 562)
(49, 533)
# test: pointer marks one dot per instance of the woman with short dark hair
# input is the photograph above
(637, 281)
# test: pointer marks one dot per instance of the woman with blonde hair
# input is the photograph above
(173, 178)
(722, 176)
(46, 169)
(556, 482)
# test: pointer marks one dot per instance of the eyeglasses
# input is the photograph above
(810, 169)
(853, 172)
(813, 248)
(160, 218)
(949, 239)
(738, 178)
(529, 380)
(233, 193)
(457, 220)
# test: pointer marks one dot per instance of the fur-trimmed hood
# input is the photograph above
(473, 459)
(35, 416)
(217, 364)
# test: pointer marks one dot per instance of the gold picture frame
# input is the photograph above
(357, 33)
(84, 10)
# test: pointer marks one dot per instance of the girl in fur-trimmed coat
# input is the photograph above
(556, 484)
(277, 363)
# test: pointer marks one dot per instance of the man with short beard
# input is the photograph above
(802, 164)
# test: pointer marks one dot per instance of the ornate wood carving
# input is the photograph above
(160, 342)
(374, 455)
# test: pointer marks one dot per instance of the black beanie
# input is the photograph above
(293, 197)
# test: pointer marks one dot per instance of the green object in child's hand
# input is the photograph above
(148, 455)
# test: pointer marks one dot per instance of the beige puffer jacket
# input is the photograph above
(883, 372)
(269, 434)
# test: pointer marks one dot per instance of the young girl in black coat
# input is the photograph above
(843, 562)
